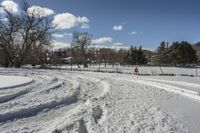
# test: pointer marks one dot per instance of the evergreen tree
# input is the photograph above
(197, 49)
(140, 56)
(137, 56)
(132, 55)
(182, 53)
(163, 57)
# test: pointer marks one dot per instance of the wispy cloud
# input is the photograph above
(85, 26)
(62, 35)
(109, 47)
(132, 33)
(58, 45)
(118, 44)
(68, 21)
(118, 27)
(103, 40)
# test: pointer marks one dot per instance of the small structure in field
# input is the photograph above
(136, 71)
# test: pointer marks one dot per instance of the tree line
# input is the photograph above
(83, 52)
(177, 54)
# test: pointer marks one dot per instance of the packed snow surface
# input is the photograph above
(60, 101)
(13, 81)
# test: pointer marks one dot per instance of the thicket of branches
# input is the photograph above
(80, 42)
(24, 37)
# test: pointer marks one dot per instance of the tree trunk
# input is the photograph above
(85, 65)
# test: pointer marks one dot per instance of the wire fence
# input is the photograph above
(142, 70)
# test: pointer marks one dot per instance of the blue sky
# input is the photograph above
(150, 21)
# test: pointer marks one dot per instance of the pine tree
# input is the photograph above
(132, 55)
(197, 49)
(140, 56)
(163, 57)
(182, 53)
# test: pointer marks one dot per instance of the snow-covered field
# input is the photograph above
(143, 70)
(55, 101)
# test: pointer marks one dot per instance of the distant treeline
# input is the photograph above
(177, 54)
(104, 56)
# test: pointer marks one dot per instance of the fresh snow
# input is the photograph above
(13, 81)
(56, 101)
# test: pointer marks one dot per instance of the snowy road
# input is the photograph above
(86, 102)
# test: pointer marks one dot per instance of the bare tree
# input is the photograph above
(81, 41)
(104, 56)
(23, 35)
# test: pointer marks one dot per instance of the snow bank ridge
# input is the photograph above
(31, 111)
(57, 85)
(12, 96)
(34, 109)
(188, 93)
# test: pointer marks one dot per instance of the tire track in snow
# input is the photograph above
(174, 82)
(103, 86)
(14, 93)
(86, 116)
(33, 110)
(133, 108)
(9, 97)
(184, 92)
(27, 91)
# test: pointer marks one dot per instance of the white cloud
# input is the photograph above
(118, 27)
(119, 47)
(118, 44)
(40, 11)
(59, 45)
(82, 19)
(109, 47)
(103, 40)
(62, 35)
(85, 26)
(132, 33)
(10, 6)
(98, 46)
(68, 21)
(58, 35)
(65, 21)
